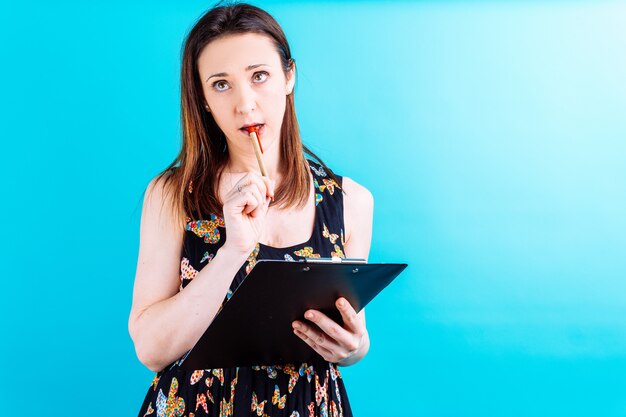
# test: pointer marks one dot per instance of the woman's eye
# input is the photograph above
(220, 85)
(260, 76)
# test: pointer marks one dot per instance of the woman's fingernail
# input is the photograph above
(340, 302)
(309, 315)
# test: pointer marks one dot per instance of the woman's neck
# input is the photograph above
(247, 162)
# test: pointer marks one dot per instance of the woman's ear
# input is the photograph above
(291, 78)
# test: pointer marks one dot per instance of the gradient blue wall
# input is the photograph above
(492, 135)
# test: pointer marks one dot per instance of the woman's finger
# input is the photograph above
(261, 187)
(329, 326)
(328, 334)
(244, 188)
(261, 208)
(269, 185)
(248, 200)
(259, 201)
(349, 315)
(344, 337)
(249, 184)
(262, 184)
(328, 350)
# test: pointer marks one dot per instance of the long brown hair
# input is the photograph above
(193, 177)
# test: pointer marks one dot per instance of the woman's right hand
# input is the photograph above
(245, 209)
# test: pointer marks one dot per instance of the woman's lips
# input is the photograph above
(260, 131)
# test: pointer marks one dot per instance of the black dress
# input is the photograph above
(292, 390)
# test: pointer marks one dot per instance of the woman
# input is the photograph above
(238, 71)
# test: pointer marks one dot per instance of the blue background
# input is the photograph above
(492, 135)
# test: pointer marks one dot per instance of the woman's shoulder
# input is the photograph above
(161, 187)
(358, 208)
(356, 195)
(160, 199)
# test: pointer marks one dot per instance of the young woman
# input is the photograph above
(210, 215)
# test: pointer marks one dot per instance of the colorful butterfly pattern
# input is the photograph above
(268, 390)
(209, 382)
(328, 185)
(201, 402)
(226, 407)
(277, 399)
(331, 236)
(272, 371)
(321, 391)
(335, 410)
(308, 371)
(319, 197)
(207, 257)
(149, 411)
(155, 381)
(323, 409)
(337, 253)
(294, 375)
(252, 258)
(257, 407)
(319, 171)
(307, 252)
(316, 184)
(206, 229)
(186, 270)
(219, 373)
(196, 376)
(172, 406)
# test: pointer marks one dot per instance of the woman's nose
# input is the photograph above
(246, 100)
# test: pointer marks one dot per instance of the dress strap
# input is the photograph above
(329, 209)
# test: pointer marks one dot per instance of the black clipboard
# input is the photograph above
(254, 325)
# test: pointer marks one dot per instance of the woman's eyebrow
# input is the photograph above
(248, 68)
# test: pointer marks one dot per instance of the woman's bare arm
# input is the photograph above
(165, 323)
(358, 220)
(349, 343)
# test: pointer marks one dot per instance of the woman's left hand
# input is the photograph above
(345, 344)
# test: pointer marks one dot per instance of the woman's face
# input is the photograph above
(244, 84)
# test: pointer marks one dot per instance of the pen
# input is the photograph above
(258, 150)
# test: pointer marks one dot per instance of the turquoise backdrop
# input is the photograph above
(492, 135)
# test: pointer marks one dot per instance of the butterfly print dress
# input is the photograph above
(308, 389)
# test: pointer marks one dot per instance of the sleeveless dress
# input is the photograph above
(291, 390)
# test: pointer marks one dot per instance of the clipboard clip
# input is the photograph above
(335, 260)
